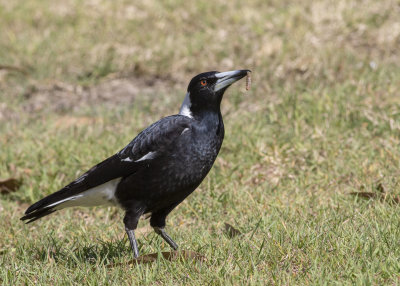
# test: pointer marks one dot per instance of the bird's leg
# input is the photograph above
(161, 231)
(157, 221)
(133, 242)
(131, 221)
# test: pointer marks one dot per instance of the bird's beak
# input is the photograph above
(225, 79)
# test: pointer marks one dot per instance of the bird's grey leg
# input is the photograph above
(133, 242)
(131, 221)
(161, 231)
(157, 221)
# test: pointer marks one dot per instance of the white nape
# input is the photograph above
(185, 107)
(101, 195)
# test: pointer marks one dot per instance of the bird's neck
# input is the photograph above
(210, 120)
(208, 115)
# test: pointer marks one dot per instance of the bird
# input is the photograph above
(159, 168)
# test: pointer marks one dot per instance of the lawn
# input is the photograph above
(79, 79)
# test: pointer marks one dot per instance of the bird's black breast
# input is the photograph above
(177, 171)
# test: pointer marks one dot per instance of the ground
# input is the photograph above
(79, 79)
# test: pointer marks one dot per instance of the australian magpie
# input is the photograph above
(159, 168)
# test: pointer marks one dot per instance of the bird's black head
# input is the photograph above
(205, 91)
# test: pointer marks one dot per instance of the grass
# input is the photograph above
(320, 122)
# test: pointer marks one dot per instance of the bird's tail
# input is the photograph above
(46, 205)
(78, 193)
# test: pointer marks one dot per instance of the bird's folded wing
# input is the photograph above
(156, 139)
(148, 145)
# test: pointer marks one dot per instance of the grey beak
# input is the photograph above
(225, 79)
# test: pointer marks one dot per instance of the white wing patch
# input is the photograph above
(148, 156)
(184, 130)
(100, 195)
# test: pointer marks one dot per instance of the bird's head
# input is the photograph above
(205, 91)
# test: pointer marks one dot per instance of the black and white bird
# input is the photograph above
(160, 167)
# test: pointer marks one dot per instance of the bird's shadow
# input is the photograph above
(108, 253)
(99, 252)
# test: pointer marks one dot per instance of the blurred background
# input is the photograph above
(79, 79)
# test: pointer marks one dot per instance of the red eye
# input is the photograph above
(203, 82)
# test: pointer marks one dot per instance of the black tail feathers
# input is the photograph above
(37, 214)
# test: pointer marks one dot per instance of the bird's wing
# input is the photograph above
(147, 145)
(154, 140)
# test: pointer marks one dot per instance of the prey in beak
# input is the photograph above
(225, 79)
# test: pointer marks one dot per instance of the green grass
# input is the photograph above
(321, 121)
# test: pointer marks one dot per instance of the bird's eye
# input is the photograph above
(203, 82)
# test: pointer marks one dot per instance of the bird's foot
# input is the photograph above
(161, 231)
